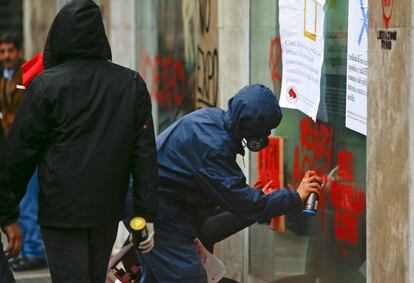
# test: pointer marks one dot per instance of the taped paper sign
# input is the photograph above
(302, 38)
(357, 69)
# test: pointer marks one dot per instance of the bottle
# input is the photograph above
(138, 230)
(311, 205)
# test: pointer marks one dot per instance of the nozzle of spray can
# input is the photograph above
(138, 230)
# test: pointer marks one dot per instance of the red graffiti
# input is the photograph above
(315, 153)
(269, 163)
(345, 165)
(168, 80)
(315, 149)
(348, 201)
(322, 202)
(275, 59)
(386, 12)
(270, 174)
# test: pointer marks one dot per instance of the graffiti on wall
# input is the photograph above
(349, 202)
(188, 12)
(314, 151)
(166, 58)
(167, 80)
(207, 78)
(270, 175)
(207, 55)
(275, 62)
(339, 193)
(387, 12)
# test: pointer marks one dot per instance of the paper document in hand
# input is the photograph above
(214, 267)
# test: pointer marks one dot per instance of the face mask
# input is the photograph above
(257, 143)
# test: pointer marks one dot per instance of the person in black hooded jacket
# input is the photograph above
(87, 123)
(9, 212)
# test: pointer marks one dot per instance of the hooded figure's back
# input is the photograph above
(88, 123)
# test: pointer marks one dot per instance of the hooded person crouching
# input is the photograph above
(198, 172)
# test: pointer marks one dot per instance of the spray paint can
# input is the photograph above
(311, 205)
(138, 230)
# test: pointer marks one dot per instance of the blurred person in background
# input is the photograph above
(10, 96)
(9, 213)
(32, 255)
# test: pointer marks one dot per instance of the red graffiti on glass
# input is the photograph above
(313, 153)
(168, 78)
(275, 59)
(270, 174)
(269, 165)
(349, 202)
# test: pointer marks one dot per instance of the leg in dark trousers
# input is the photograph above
(79, 255)
(6, 276)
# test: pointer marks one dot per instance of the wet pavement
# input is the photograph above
(38, 276)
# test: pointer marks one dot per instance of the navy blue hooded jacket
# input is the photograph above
(197, 156)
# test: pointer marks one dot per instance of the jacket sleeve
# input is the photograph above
(145, 167)
(9, 211)
(27, 138)
(222, 179)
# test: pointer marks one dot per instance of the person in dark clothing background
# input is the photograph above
(11, 57)
(9, 213)
(87, 123)
(32, 255)
(198, 172)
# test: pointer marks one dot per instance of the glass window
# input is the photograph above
(331, 246)
(166, 56)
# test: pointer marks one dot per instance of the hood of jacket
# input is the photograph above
(253, 112)
(77, 32)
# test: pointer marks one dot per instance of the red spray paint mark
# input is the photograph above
(269, 164)
(275, 59)
(322, 202)
(315, 148)
(345, 165)
(314, 153)
(168, 80)
(270, 174)
(386, 12)
(292, 93)
(348, 201)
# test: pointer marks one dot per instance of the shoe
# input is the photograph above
(27, 264)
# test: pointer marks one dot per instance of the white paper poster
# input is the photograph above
(301, 34)
(357, 66)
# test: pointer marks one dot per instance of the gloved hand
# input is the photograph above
(147, 245)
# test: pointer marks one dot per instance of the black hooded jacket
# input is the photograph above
(87, 123)
(8, 208)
